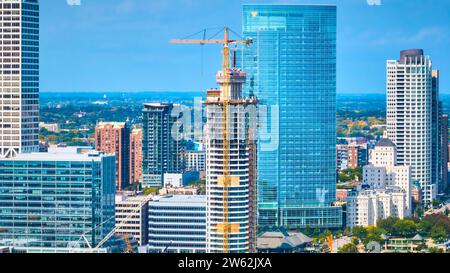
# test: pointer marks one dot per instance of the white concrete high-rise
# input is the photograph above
(411, 99)
(19, 73)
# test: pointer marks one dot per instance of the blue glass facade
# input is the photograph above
(50, 200)
(291, 68)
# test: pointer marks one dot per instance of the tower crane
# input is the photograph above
(225, 96)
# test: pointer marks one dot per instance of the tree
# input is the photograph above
(435, 250)
(346, 231)
(307, 231)
(438, 234)
(360, 232)
(387, 224)
(372, 237)
(316, 232)
(148, 191)
(349, 248)
(424, 227)
(405, 228)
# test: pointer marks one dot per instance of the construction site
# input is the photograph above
(230, 156)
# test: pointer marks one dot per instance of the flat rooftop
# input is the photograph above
(177, 200)
(62, 154)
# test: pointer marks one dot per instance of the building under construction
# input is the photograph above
(230, 177)
(230, 138)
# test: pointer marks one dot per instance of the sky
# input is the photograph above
(123, 45)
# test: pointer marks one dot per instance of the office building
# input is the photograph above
(114, 137)
(384, 171)
(351, 156)
(366, 207)
(136, 156)
(291, 69)
(54, 201)
(19, 75)
(162, 145)
(412, 117)
(177, 224)
(132, 217)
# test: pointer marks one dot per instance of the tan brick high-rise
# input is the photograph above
(114, 137)
(136, 156)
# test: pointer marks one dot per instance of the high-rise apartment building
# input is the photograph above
(56, 201)
(413, 118)
(136, 156)
(291, 69)
(19, 75)
(114, 137)
(162, 144)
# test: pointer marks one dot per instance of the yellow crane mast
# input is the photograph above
(225, 100)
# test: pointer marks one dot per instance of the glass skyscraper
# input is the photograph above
(291, 68)
(48, 201)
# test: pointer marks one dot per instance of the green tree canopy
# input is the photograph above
(349, 248)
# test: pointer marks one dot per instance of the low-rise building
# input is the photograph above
(173, 179)
(281, 241)
(177, 224)
(351, 156)
(366, 207)
(51, 127)
(179, 191)
(403, 245)
(132, 217)
(341, 195)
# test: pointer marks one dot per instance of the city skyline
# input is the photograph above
(271, 163)
(124, 55)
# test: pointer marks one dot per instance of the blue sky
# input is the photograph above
(122, 45)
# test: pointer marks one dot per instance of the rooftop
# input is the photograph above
(131, 199)
(177, 200)
(62, 154)
(385, 142)
(116, 125)
(280, 239)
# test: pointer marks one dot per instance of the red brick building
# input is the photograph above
(114, 137)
